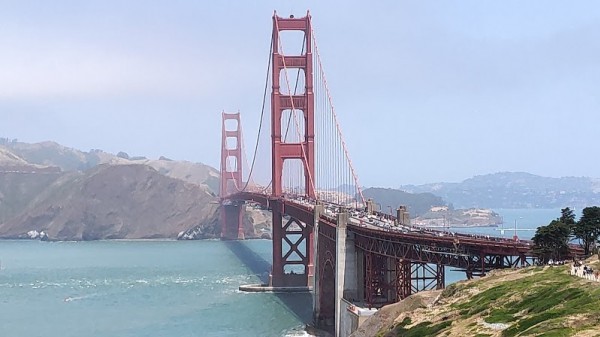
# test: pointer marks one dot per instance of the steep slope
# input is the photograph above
(19, 185)
(536, 301)
(194, 173)
(116, 202)
(8, 158)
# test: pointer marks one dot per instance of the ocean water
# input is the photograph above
(526, 221)
(161, 288)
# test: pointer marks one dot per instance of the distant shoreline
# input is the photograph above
(457, 226)
(126, 240)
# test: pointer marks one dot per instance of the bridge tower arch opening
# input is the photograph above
(291, 238)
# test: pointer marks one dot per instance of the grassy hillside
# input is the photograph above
(536, 301)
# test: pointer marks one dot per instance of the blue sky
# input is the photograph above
(425, 90)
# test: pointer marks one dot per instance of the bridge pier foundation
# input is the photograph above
(315, 279)
(351, 280)
(340, 274)
(232, 224)
(292, 250)
(326, 278)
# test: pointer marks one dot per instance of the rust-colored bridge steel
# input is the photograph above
(384, 265)
(231, 176)
(293, 236)
(392, 264)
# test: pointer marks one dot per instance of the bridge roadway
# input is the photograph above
(475, 254)
(369, 262)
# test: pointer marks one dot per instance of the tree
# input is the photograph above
(567, 216)
(123, 155)
(587, 229)
(552, 241)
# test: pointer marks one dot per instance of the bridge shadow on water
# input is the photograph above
(300, 304)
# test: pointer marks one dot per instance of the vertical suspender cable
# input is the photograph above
(359, 189)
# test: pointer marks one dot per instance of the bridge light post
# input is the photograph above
(515, 237)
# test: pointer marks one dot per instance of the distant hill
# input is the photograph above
(19, 185)
(8, 158)
(418, 203)
(74, 195)
(515, 190)
(114, 202)
(68, 159)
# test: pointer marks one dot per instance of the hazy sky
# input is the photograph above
(425, 90)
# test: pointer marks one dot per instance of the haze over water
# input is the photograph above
(157, 288)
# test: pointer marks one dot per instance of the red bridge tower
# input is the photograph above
(232, 226)
(294, 236)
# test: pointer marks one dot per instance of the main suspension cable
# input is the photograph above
(262, 113)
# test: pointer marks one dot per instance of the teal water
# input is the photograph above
(526, 221)
(158, 288)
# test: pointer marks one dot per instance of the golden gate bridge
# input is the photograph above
(326, 237)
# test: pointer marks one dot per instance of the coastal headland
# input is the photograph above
(533, 301)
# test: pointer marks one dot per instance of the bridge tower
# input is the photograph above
(294, 236)
(232, 226)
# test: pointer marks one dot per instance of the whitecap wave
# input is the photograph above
(297, 334)
(80, 298)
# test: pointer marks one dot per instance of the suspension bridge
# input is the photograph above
(326, 237)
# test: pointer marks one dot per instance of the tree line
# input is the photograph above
(551, 242)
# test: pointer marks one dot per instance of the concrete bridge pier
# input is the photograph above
(315, 280)
(360, 275)
(352, 276)
(341, 272)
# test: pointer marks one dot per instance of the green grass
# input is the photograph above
(423, 329)
(541, 298)
(500, 316)
(551, 332)
(526, 323)
(535, 305)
